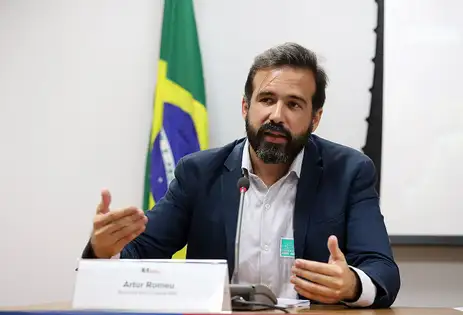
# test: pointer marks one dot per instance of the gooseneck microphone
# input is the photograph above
(243, 186)
(248, 297)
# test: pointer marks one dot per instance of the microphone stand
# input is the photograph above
(243, 186)
(248, 297)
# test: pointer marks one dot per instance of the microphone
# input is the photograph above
(243, 186)
(253, 297)
(245, 172)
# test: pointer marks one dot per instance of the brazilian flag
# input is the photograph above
(179, 123)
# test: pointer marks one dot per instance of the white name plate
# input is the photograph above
(174, 286)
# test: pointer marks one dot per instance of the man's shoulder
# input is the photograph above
(210, 158)
(335, 154)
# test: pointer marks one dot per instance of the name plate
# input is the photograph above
(173, 286)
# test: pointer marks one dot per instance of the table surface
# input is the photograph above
(314, 309)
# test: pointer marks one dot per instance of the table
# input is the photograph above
(314, 309)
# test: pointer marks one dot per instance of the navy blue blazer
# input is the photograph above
(335, 195)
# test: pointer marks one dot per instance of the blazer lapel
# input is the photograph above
(306, 195)
(230, 199)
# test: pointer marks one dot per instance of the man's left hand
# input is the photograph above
(327, 283)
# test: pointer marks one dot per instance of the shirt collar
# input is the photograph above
(296, 166)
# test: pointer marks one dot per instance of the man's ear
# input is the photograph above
(317, 116)
(244, 107)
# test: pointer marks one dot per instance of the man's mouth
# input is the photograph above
(275, 134)
(275, 137)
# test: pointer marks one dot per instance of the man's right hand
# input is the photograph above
(113, 230)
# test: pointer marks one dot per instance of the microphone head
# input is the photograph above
(243, 182)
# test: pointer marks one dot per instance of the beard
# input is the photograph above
(276, 153)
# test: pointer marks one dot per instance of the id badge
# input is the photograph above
(287, 248)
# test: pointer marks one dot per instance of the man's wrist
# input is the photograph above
(97, 251)
(355, 290)
(88, 252)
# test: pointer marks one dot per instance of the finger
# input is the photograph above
(326, 281)
(128, 229)
(129, 221)
(314, 297)
(106, 239)
(114, 216)
(319, 267)
(103, 207)
(122, 242)
(335, 252)
(117, 225)
(315, 289)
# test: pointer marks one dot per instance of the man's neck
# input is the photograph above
(268, 173)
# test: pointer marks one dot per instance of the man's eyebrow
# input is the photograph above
(265, 93)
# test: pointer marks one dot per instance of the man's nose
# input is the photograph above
(277, 112)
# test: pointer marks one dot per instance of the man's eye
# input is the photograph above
(266, 100)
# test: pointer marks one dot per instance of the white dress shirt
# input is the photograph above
(267, 219)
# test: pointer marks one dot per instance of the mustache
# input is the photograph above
(272, 127)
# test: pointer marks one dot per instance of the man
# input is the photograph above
(312, 226)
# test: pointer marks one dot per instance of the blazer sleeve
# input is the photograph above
(368, 247)
(169, 221)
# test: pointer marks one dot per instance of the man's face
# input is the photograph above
(279, 118)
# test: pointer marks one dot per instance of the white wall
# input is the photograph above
(422, 129)
(76, 88)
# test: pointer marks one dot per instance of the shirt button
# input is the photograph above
(267, 206)
(266, 247)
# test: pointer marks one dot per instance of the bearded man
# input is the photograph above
(311, 224)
